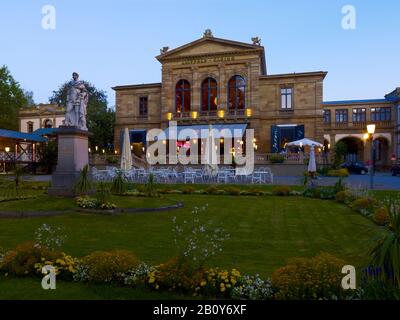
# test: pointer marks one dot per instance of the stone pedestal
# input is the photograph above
(73, 155)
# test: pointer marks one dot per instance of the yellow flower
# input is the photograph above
(203, 283)
(223, 289)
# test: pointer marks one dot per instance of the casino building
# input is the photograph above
(225, 83)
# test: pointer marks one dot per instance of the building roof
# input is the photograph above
(137, 86)
(211, 38)
(365, 101)
(17, 135)
(45, 131)
(295, 74)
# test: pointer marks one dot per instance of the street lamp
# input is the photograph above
(371, 131)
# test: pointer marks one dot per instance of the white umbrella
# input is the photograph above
(312, 166)
(211, 153)
(304, 142)
(126, 155)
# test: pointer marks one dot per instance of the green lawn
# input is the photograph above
(265, 232)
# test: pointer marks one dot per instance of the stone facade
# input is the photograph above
(41, 116)
(347, 121)
(221, 59)
(264, 110)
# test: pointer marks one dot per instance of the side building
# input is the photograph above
(40, 116)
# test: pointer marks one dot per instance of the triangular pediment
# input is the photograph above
(206, 46)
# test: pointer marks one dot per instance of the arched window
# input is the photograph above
(48, 123)
(209, 95)
(182, 96)
(236, 93)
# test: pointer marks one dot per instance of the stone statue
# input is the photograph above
(164, 50)
(208, 33)
(256, 41)
(77, 100)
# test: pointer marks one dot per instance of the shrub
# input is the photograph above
(363, 205)
(385, 253)
(111, 160)
(281, 190)
(106, 266)
(344, 197)
(211, 190)
(119, 185)
(339, 186)
(233, 191)
(188, 190)
(277, 158)
(21, 261)
(338, 173)
(327, 193)
(381, 216)
(256, 192)
(87, 202)
(65, 266)
(175, 275)
(84, 185)
(103, 193)
(309, 278)
(151, 187)
(312, 193)
(217, 282)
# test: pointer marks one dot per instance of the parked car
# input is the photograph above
(355, 167)
(395, 169)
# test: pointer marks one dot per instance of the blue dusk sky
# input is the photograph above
(114, 42)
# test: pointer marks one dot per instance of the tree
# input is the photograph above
(12, 98)
(340, 152)
(100, 118)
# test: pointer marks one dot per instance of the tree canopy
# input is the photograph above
(100, 118)
(12, 98)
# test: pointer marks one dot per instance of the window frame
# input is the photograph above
(142, 99)
(327, 112)
(182, 92)
(281, 94)
(357, 116)
(236, 96)
(208, 79)
(377, 116)
(343, 112)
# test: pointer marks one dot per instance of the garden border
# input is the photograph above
(32, 214)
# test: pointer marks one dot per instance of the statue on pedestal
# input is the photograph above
(77, 100)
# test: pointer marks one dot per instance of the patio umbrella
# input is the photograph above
(304, 142)
(211, 153)
(312, 166)
(126, 155)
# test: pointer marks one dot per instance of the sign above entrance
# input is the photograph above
(208, 60)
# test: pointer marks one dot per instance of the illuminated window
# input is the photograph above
(209, 95)
(327, 116)
(182, 96)
(236, 93)
(341, 115)
(381, 114)
(359, 115)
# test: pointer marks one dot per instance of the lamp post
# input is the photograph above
(371, 131)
